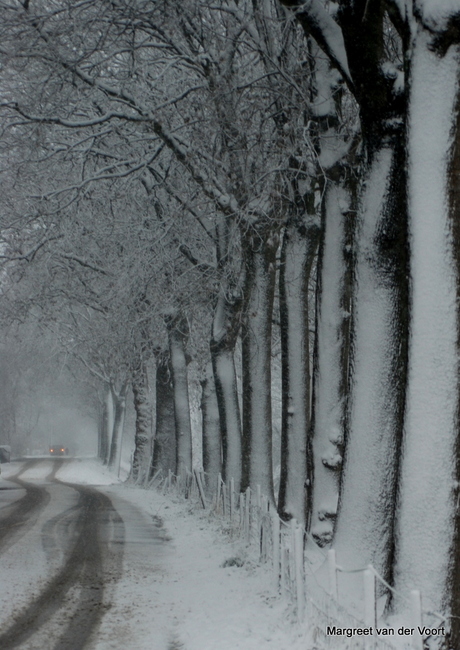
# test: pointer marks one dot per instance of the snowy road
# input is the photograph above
(20, 515)
(82, 539)
(89, 562)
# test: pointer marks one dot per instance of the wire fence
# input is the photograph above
(280, 545)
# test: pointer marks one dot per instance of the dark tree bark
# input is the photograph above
(260, 245)
(106, 425)
(226, 326)
(119, 399)
(300, 241)
(212, 439)
(164, 448)
(143, 433)
(178, 333)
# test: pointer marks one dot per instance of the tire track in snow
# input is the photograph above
(23, 513)
(88, 562)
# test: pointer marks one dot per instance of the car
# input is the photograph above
(58, 450)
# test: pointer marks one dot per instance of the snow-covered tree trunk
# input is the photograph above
(164, 448)
(300, 242)
(119, 400)
(331, 359)
(177, 332)
(225, 328)
(143, 433)
(259, 246)
(364, 529)
(212, 439)
(427, 532)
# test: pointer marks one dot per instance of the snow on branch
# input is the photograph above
(210, 186)
(316, 20)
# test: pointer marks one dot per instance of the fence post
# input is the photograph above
(369, 597)
(283, 569)
(332, 568)
(247, 520)
(258, 516)
(169, 479)
(219, 483)
(191, 486)
(276, 549)
(224, 498)
(242, 511)
(232, 498)
(264, 526)
(200, 489)
(299, 571)
(293, 560)
(416, 615)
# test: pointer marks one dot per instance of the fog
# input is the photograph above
(60, 424)
(45, 401)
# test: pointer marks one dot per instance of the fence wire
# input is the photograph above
(252, 518)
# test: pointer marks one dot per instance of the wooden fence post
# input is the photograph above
(232, 498)
(369, 597)
(247, 514)
(299, 571)
(416, 616)
(200, 489)
(283, 569)
(219, 484)
(225, 498)
(276, 549)
(332, 568)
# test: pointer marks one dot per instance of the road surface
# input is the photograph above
(74, 538)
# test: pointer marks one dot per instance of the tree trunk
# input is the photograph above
(428, 525)
(177, 332)
(106, 425)
(143, 434)
(300, 242)
(331, 360)
(164, 448)
(119, 400)
(101, 430)
(212, 440)
(226, 323)
(364, 530)
(259, 250)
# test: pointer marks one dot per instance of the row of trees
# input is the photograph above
(183, 179)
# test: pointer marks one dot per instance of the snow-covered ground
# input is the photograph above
(186, 583)
(176, 592)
